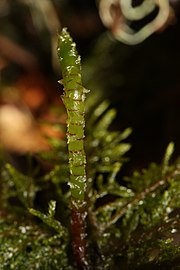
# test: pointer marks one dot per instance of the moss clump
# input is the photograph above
(132, 222)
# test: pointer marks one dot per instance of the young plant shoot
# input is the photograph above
(73, 98)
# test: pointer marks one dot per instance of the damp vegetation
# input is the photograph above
(73, 209)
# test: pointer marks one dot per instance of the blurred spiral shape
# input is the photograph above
(120, 15)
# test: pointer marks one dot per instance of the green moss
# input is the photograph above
(132, 222)
(26, 245)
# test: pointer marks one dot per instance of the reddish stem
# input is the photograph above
(79, 244)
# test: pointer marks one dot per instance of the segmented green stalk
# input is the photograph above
(73, 98)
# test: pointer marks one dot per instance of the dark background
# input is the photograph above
(142, 82)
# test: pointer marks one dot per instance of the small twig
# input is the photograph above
(41, 11)
(138, 198)
(15, 53)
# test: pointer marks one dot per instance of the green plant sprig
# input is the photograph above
(73, 98)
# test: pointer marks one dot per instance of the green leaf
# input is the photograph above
(49, 219)
(24, 185)
(167, 156)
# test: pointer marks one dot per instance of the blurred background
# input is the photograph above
(141, 81)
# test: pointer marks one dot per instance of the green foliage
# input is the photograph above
(25, 245)
(23, 185)
(156, 248)
(105, 149)
(132, 222)
(49, 219)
